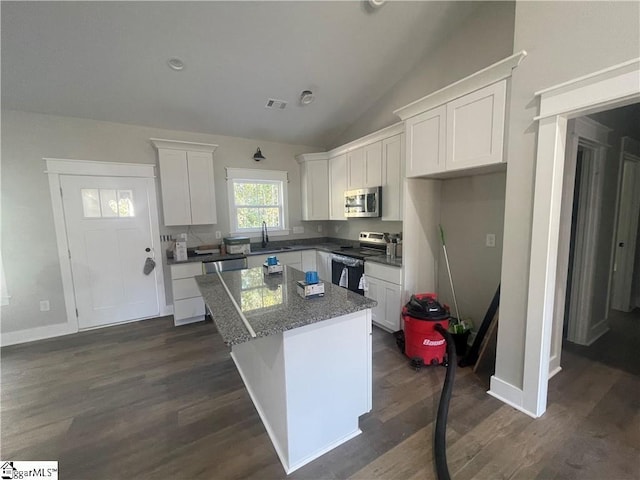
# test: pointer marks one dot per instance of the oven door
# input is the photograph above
(347, 272)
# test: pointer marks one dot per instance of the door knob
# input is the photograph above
(147, 249)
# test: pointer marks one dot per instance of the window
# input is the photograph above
(257, 196)
(105, 202)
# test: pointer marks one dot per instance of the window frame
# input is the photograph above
(248, 175)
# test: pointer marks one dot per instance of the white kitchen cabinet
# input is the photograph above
(475, 128)
(384, 286)
(314, 185)
(463, 134)
(188, 305)
(355, 169)
(426, 142)
(309, 262)
(392, 177)
(373, 165)
(364, 166)
(187, 182)
(323, 265)
(337, 186)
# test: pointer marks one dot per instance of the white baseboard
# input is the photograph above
(597, 331)
(166, 310)
(507, 393)
(554, 372)
(37, 333)
(187, 321)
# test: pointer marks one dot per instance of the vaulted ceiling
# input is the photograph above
(108, 61)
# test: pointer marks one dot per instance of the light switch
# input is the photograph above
(44, 305)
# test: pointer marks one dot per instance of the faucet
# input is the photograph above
(265, 236)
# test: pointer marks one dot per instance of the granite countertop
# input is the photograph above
(282, 247)
(270, 303)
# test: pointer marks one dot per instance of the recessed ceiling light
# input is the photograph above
(306, 97)
(175, 64)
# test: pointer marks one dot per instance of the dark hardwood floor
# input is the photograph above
(149, 400)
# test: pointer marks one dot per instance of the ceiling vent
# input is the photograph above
(275, 104)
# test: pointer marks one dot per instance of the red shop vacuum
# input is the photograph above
(424, 343)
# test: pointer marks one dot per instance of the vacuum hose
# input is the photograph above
(440, 441)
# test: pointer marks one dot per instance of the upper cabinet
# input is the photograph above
(392, 177)
(463, 134)
(337, 186)
(314, 185)
(364, 166)
(187, 182)
(426, 142)
(459, 129)
(376, 160)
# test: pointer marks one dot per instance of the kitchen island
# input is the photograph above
(306, 363)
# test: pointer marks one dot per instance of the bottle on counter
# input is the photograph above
(223, 249)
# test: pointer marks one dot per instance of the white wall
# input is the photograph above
(472, 207)
(485, 38)
(28, 237)
(565, 40)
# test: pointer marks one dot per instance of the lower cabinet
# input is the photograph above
(323, 265)
(384, 287)
(188, 305)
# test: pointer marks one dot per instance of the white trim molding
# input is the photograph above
(378, 135)
(65, 166)
(608, 88)
(491, 74)
(161, 143)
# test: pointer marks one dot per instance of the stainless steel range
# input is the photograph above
(347, 264)
(371, 244)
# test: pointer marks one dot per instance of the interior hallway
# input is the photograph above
(148, 400)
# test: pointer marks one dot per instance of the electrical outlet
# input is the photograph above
(320, 228)
(491, 240)
(218, 234)
(298, 229)
(44, 305)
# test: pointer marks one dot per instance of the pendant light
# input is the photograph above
(258, 155)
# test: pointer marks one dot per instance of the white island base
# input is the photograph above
(310, 384)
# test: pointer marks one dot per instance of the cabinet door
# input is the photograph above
(426, 142)
(392, 177)
(323, 264)
(201, 188)
(392, 304)
(355, 169)
(337, 186)
(475, 128)
(373, 165)
(315, 190)
(174, 183)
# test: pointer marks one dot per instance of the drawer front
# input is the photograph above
(186, 270)
(185, 288)
(383, 272)
(188, 308)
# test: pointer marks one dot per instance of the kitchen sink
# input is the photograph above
(270, 249)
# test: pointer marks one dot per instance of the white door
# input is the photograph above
(109, 233)
(625, 247)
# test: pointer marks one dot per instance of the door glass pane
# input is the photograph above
(108, 202)
(90, 202)
(125, 203)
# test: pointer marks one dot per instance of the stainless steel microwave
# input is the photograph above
(364, 202)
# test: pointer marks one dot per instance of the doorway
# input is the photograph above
(109, 238)
(106, 222)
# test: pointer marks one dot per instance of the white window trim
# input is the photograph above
(255, 174)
